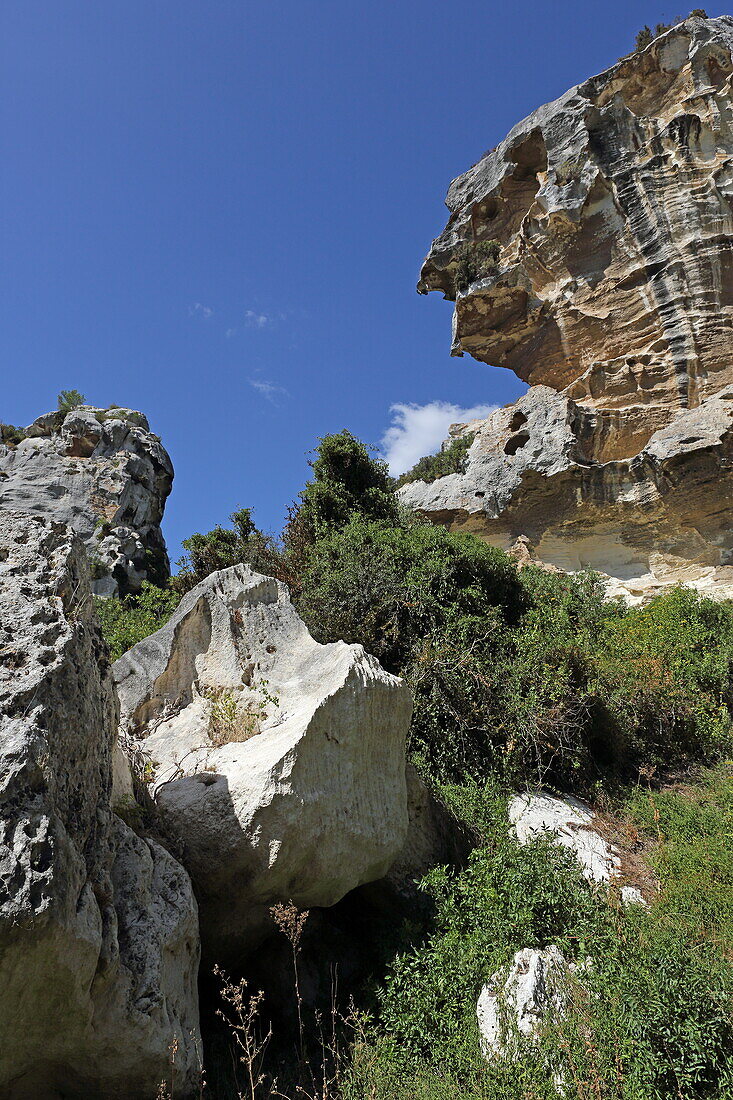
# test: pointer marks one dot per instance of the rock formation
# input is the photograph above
(278, 764)
(103, 473)
(98, 927)
(609, 291)
(572, 824)
(521, 999)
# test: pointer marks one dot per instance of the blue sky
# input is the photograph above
(215, 211)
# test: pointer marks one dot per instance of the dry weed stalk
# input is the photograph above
(291, 922)
(242, 1021)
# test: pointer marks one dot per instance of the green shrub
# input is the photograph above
(475, 260)
(451, 460)
(126, 622)
(68, 400)
(346, 480)
(650, 1018)
(664, 676)
(224, 547)
(427, 604)
(11, 436)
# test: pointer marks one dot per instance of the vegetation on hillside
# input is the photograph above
(518, 677)
(475, 260)
(126, 622)
(68, 400)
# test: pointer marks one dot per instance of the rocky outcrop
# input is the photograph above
(105, 474)
(98, 926)
(539, 471)
(514, 1004)
(611, 294)
(278, 764)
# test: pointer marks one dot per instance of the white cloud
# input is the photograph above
(269, 390)
(256, 320)
(418, 430)
(230, 332)
(200, 310)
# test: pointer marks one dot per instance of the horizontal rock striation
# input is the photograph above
(98, 926)
(105, 474)
(612, 206)
(610, 291)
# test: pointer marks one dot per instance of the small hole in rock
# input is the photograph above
(516, 443)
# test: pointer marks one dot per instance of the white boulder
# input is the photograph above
(571, 823)
(278, 764)
(517, 1002)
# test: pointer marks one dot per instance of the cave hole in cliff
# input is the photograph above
(516, 443)
(530, 156)
(518, 421)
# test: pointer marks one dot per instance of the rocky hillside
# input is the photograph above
(105, 474)
(589, 252)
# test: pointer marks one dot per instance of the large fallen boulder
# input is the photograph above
(104, 473)
(98, 926)
(277, 764)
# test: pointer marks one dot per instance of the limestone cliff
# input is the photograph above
(610, 288)
(105, 474)
(99, 938)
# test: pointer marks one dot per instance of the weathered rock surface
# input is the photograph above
(613, 298)
(571, 823)
(107, 476)
(98, 927)
(612, 207)
(434, 837)
(279, 763)
(538, 471)
(520, 1000)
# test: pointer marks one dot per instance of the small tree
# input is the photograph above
(346, 481)
(70, 399)
(224, 546)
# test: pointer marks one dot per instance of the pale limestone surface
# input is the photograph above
(98, 927)
(537, 471)
(306, 799)
(105, 474)
(521, 998)
(570, 822)
(612, 207)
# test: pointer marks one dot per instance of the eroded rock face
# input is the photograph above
(107, 476)
(98, 927)
(612, 296)
(613, 209)
(278, 763)
(539, 471)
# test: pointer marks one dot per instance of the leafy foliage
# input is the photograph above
(11, 435)
(126, 622)
(651, 1018)
(475, 260)
(223, 547)
(346, 480)
(69, 399)
(451, 460)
